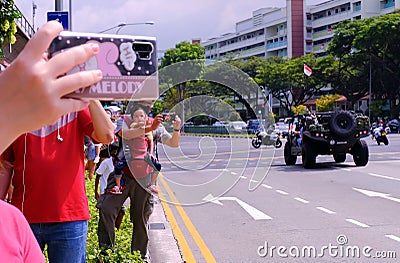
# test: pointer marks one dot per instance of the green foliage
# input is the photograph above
(300, 109)
(8, 27)
(158, 107)
(183, 51)
(325, 103)
(286, 80)
(122, 251)
(361, 45)
(179, 66)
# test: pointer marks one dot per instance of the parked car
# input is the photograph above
(393, 125)
(236, 126)
(282, 128)
(220, 123)
(188, 123)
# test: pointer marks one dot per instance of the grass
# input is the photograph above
(123, 236)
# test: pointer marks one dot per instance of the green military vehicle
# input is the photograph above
(327, 133)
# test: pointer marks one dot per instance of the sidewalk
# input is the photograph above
(163, 247)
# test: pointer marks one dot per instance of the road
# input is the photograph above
(234, 203)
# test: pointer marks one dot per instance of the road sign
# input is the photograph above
(60, 16)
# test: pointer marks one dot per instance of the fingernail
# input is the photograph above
(95, 47)
(99, 73)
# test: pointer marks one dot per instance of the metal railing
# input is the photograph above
(24, 25)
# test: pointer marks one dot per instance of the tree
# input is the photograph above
(8, 27)
(179, 65)
(361, 45)
(285, 78)
(300, 109)
(326, 102)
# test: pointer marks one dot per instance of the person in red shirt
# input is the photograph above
(32, 94)
(49, 183)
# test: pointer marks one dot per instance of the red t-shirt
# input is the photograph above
(49, 181)
(17, 242)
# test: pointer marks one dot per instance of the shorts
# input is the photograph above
(91, 152)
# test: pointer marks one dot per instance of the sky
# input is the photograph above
(174, 20)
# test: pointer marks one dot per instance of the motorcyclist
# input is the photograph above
(378, 130)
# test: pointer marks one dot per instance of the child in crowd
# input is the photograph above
(92, 156)
(140, 148)
(105, 168)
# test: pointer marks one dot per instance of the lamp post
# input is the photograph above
(121, 25)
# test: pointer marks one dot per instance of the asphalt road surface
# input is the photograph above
(233, 203)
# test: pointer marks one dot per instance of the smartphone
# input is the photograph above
(128, 63)
(168, 116)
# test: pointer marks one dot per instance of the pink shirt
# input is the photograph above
(17, 242)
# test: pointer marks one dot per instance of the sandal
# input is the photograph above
(115, 190)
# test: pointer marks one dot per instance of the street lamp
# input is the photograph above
(121, 25)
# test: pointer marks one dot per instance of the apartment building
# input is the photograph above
(291, 31)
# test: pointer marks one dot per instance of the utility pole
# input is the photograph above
(34, 7)
(58, 5)
(70, 15)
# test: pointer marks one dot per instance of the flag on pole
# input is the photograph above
(307, 70)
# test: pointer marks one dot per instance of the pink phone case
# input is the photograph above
(128, 63)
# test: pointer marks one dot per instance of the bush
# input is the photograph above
(8, 28)
(122, 251)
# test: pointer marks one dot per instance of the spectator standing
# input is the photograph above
(32, 85)
(92, 156)
(135, 188)
(48, 168)
(106, 167)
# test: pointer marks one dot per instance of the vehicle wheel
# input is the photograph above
(278, 144)
(342, 124)
(256, 143)
(360, 153)
(339, 158)
(308, 156)
(385, 140)
(289, 158)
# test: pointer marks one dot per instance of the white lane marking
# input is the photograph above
(396, 238)
(252, 211)
(243, 177)
(266, 186)
(301, 200)
(326, 210)
(233, 173)
(384, 176)
(281, 192)
(347, 169)
(355, 222)
(377, 194)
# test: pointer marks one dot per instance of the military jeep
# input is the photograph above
(327, 133)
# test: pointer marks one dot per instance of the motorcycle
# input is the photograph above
(270, 138)
(380, 136)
